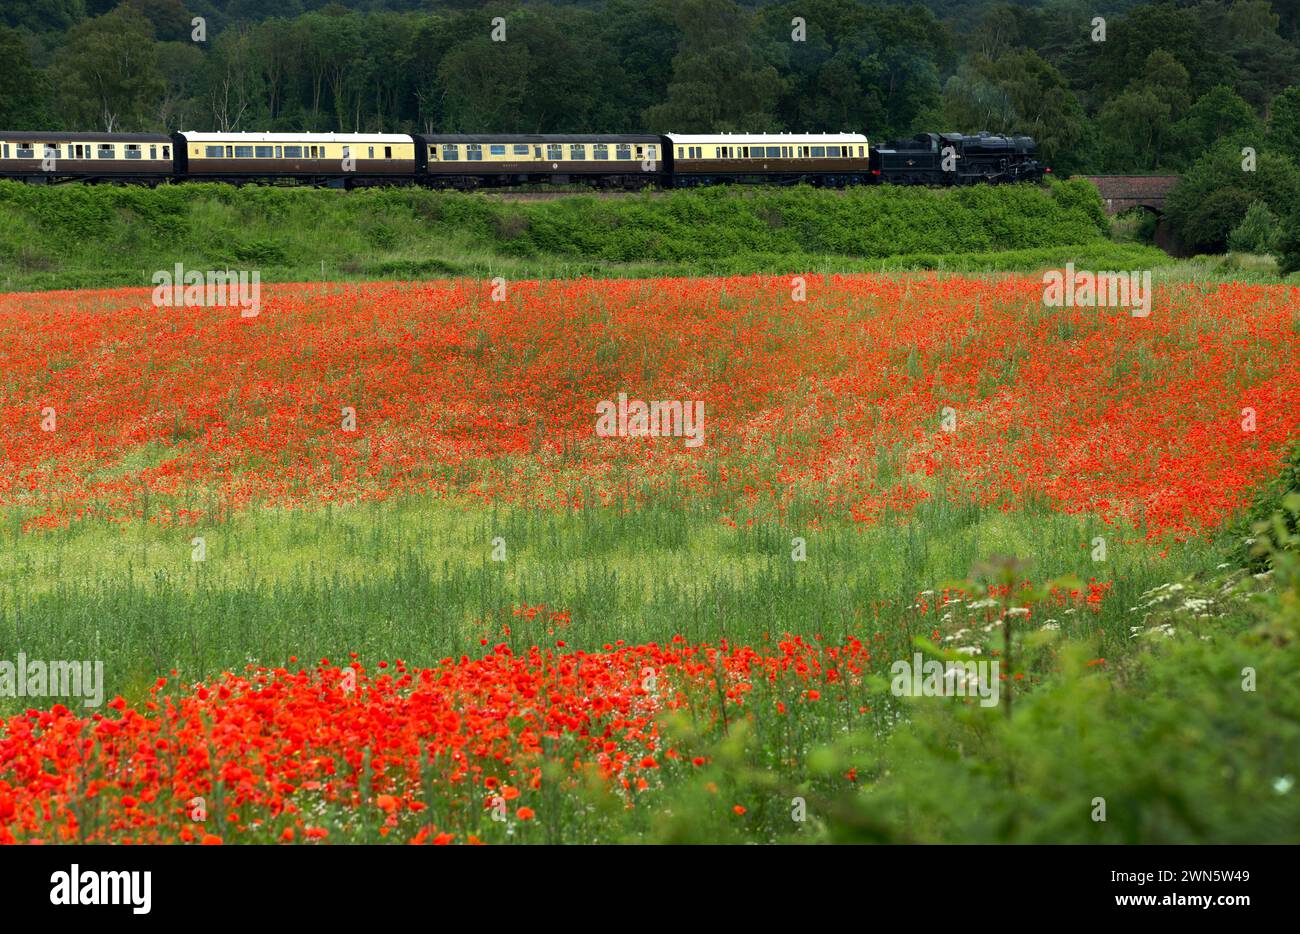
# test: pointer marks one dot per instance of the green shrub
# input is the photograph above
(1257, 232)
(107, 235)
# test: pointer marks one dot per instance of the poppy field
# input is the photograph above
(366, 567)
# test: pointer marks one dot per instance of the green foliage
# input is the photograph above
(1212, 197)
(1288, 245)
(1284, 122)
(106, 76)
(1187, 733)
(1219, 114)
(100, 235)
(718, 83)
(1255, 524)
(1257, 232)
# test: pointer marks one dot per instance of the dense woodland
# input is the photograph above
(1103, 85)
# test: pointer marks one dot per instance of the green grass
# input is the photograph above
(415, 580)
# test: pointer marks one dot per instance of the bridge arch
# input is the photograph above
(1121, 192)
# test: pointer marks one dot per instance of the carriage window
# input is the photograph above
(624, 151)
(450, 151)
(474, 152)
(388, 152)
(243, 152)
(520, 149)
(279, 152)
(433, 152)
(756, 152)
(153, 152)
(52, 151)
(4, 151)
(24, 151)
(347, 152)
(652, 151)
(293, 152)
(167, 152)
(497, 150)
(264, 152)
(133, 151)
(371, 151)
(554, 152)
(818, 152)
(600, 151)
(578, 151)
(212, 152)
(859, 151)
(773, 152)
(680, 153)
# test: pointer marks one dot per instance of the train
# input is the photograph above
(468, 161)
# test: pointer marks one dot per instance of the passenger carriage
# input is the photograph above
(343, 159)
(468, 160)
(50, 158)
(832, 159)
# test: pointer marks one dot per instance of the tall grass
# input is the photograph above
(416, 580)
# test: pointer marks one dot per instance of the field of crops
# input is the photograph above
(369, 565)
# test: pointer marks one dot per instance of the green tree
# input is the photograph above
(1257, 232)
(720, 81)
(23, 91)
(1131, 39)
(180, 105)
(1284, 123)
(484, 84)
(1218, 114)
(1136, 128)
(1247, 32)
(1166, 78)
(1288, 245)
(42, 15)
(107, 74)
(1212, 197)
(642, 38)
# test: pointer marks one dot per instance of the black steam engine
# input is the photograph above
(955, 159)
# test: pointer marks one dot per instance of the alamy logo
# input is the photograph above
(215, 288)
(36, 678)
(919, 678)
(659, 419)
(1070, 289)
(104, 887)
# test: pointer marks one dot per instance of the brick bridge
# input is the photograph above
(1121, 192)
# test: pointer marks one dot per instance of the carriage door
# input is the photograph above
(640, 153)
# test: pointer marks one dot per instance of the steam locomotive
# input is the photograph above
(956, 159)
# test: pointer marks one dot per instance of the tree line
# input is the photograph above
(1112, 87)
